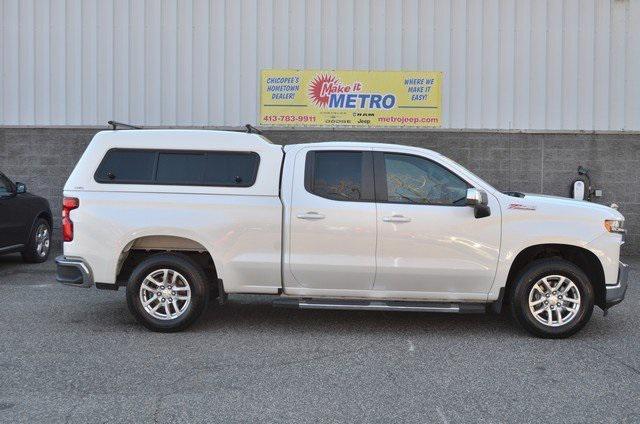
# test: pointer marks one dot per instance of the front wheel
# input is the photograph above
(167, 292)
(552, 298)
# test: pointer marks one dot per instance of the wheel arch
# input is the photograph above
(47, 216)
(44, 214)
(137, 249)
(583, 258)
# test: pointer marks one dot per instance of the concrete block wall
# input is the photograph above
(530, 162)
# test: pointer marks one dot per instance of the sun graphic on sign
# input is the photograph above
(318, 95)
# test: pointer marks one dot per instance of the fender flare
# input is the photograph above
(125, 242)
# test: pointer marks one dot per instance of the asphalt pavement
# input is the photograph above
(77, 355)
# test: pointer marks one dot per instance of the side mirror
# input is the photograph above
(20, 188)
(480, 202)
(476, 197)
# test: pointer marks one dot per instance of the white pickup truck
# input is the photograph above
(182, 216)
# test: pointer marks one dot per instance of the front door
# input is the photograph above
(332, 223)
(430, 245)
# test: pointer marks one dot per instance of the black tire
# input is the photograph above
(524, 284)
(38, 248)
(193, 274)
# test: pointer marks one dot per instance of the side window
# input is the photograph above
(180, 168)
(127, 166)
(411, 179)
(343, 175)
(200, 168)
(231, 169)
(6, 187)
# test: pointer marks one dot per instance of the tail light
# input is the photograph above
(68, 204)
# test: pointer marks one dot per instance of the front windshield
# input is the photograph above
(468, 172)
(483, 182)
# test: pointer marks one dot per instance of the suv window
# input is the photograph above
(6, 186)
(412, 179)
(343, 175)
(169, 167)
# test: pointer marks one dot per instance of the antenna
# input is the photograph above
(116, 124)
(251, 129)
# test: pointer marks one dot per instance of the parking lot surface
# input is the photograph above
(77, 355)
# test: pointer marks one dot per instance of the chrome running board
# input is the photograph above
(378, 305)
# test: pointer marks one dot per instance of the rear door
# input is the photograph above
(332, 222)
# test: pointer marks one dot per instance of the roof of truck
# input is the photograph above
(206, 139)
(186, 133)
(358, 144)
(182, 140)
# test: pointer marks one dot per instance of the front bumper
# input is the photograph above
(73, 272)
(615, 294)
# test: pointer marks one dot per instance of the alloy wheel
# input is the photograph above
(165, 294)
(43, 240)
(554, 300)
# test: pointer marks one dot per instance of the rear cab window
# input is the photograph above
(340, 175)
(175, 167)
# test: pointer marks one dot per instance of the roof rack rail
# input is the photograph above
(251, 129)
(116, 124)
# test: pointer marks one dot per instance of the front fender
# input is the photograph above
(507, 260)
(524, 228)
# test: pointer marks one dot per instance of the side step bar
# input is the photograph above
(379, 305)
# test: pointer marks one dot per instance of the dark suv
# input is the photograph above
(25, 222)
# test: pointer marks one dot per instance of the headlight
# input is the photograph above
(614, 226)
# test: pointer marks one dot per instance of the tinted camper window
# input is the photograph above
(170, 167)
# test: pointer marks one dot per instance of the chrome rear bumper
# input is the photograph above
(73, 272)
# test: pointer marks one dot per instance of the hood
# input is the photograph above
(551, 202)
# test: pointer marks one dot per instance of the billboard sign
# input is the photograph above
(324, 98)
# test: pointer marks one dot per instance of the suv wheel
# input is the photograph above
(37, 249)
(167, 292)
(552, 298)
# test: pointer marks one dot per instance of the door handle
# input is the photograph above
(311, 215)
(396, 218)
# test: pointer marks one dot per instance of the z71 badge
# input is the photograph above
(522, 207)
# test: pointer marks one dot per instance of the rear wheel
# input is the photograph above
(552, 298)
(167, 292)
(37, 249)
